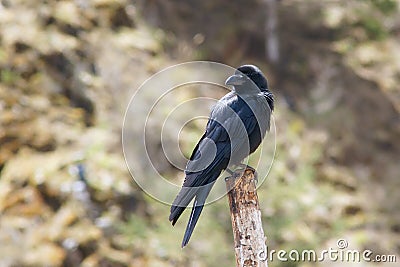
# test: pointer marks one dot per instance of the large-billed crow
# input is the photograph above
(237, 125)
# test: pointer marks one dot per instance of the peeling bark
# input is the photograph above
(248, 234)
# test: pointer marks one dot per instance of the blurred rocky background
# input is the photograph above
(68, 69)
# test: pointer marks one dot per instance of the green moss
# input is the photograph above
(373, 28)
(135, 228)
(8, 76)
(385, 6)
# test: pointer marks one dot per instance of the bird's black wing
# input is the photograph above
(206, 159)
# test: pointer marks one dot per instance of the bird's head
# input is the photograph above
(248, 79)
(244, 79)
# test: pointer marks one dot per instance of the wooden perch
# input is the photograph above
(248, 234)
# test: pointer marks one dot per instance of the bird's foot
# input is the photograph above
(229, 171)
(232, 176)
(245, 166)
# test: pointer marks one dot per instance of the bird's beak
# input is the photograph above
(236, 79)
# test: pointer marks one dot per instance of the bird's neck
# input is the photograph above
(270, 98)
(263, 93)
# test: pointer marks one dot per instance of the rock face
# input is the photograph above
(68, 69)
(63, 180)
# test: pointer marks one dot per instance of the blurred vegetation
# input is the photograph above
(68, 69)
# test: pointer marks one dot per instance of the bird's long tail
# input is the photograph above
(183, 199)
(198, 205)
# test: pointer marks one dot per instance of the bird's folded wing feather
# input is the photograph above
(222, 138)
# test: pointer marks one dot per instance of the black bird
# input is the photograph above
(236, 127)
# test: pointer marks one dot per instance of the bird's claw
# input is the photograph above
(229, 171)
